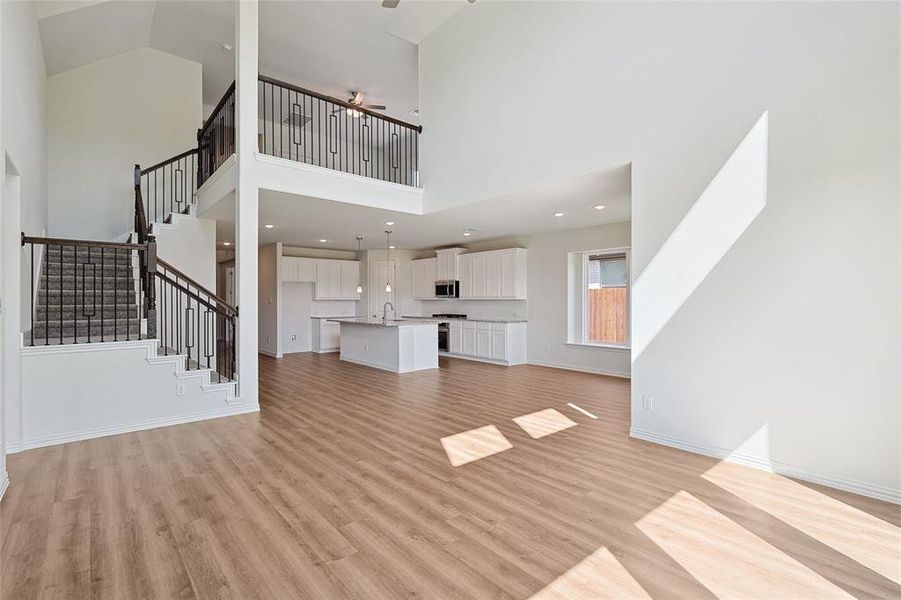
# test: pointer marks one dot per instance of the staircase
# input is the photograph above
(85, 295)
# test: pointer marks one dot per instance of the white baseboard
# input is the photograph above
(848, 485)
(4, 483)
(579, 369)
(87, 434)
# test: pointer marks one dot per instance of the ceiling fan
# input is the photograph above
(394, 3)
(356, 98)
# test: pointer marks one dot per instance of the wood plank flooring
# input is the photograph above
(341, 488)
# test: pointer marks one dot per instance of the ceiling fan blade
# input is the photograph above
(390, 3)
(374, 106)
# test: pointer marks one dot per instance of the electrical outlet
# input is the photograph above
(547, 347)
(647, 402)
(268, 340)
(179, 389)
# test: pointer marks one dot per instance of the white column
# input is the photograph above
(246, 196)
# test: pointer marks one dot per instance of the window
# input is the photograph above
(598, 298)
(607, 302)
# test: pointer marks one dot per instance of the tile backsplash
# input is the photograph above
(334, 308)
(484, 309)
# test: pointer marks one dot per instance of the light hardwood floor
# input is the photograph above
(341, 488)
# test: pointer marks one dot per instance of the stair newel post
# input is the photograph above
(151, 286)
(199, 173)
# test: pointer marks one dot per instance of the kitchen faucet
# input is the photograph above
(385, 311)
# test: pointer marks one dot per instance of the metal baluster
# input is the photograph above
(31, 294)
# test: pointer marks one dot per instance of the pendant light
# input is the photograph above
(388, 244)
(359, 285)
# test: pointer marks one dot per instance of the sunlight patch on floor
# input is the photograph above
(597, 577)
(472, 445)
(862, 537)
(725, 557)
(581, 410)
(544, 422)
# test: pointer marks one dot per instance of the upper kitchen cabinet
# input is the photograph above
(422, 278)
(493, 275)
(337, 279)
(446, 268)
(302, 270)
(334, 279)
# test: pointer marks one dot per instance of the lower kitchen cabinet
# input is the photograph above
(503, 343)
(326, 336)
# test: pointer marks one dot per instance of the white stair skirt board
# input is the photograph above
(848, 485)
(4, 483)
(109, 388)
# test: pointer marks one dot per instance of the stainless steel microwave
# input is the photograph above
(447, 289)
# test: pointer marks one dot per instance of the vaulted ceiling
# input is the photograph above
(331, 47)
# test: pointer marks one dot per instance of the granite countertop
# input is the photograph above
(379, 323)
(479, 320)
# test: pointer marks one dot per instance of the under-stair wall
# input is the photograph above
(91, 390)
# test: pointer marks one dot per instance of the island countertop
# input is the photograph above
(379, 323)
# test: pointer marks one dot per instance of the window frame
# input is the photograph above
(586, 258)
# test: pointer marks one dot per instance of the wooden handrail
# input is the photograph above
(219, 105)
(169, 160)
(28, 239)
(195, 296)
(339, 102)
(168, 267)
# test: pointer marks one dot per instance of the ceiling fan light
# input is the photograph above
(354, 113)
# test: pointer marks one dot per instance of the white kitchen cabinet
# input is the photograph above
(483, 340)
(503, 343)
(306, 270)
(296, 269)
(326, 336)
(456, 337)
(337, 279)
(350, 277)
(468, 339)
(499, 341)
(446, 264)
(479, 275)
(494, 275)
(423, 277)
(289, 268)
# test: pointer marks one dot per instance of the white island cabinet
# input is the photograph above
(398, 346)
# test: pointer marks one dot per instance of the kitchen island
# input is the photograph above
(401, 346)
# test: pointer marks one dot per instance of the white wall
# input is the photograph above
(142, 106)
(270, 296)
(189, 245)
(774, 337)
(103, 389)
(23, 150)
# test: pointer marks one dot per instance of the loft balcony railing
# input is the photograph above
(315, 129)
(295, 124)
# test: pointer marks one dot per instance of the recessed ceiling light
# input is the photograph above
(558, 214)
(391, 247)
(268, 226)
(599, 207)
(415, 112)
(467, 233)
(389, 223)
(323, 241)
(226, 243)
(226, 46)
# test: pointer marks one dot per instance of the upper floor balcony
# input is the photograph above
(304, 126)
